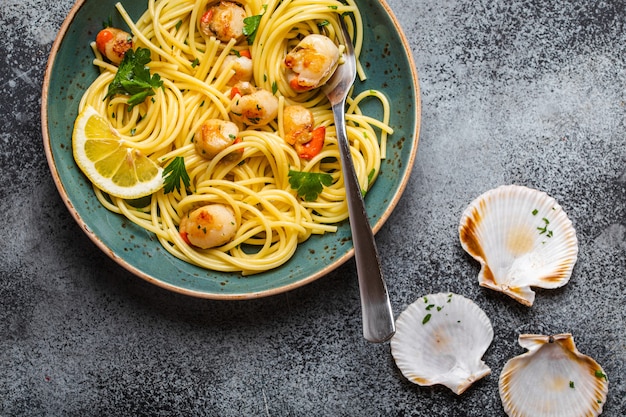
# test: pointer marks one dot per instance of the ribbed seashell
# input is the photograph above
(522, 239)
(552, 379)
(440, 339)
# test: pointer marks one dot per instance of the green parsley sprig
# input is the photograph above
(309, 184)
(133, 78)
(251, 25)
(175, 173)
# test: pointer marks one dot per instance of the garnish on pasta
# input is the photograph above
(236, 119)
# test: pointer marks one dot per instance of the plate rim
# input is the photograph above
(336, 263)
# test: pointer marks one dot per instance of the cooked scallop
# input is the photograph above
(252, 105)
(209, 226)
(312, 62)
(214, 136)
(224, 20)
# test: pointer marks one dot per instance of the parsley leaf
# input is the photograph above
(251, 24)
(174, 173)
(133, 78)
(309, 184)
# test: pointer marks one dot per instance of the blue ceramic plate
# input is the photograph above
(387, 60)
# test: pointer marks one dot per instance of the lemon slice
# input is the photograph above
(105, 158)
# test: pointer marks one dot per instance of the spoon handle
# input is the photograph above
(378, 323)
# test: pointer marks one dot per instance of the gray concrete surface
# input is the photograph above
(526, 92)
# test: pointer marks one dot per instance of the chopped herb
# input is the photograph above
(426, 300)
(323, 23)
(174, 173)
(195, 63)
(429, 307)
(439, 308)
(236, 53)
(544, 229)
(202, 104)
(178, 24)
(274, 87)
(333, 7)
(370, 176)
(601, 374)
(309, 184)
(571, 384)
(535, 211)
(107, 23)
(133, 131)
(133, 78)
(426, 318)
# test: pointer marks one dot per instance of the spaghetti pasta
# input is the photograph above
(250, 177)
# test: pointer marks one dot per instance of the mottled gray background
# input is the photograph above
(526, 92)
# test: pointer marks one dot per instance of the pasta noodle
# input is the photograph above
(272, 219)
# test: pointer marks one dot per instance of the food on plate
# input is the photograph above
(241, 64)
(552, 379)
(252, 105)
(522, 239)
(311, 62)
(113, 43)
(109, 163)
(224, 20)
(215, 136)
(209, 226)
(298, 124)
(441, 339)
(205, 96)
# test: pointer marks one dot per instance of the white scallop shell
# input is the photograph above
(522, 239)
(552, 379)
(440, 339)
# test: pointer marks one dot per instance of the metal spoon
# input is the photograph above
(378, 322)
